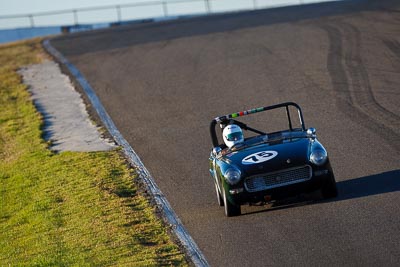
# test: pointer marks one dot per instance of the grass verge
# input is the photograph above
(71, 208)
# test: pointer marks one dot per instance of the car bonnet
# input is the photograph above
(270, 157)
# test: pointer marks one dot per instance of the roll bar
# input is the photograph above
(227, 118)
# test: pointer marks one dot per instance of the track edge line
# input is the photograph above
(191, 248)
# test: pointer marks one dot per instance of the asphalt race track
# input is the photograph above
(162, 83)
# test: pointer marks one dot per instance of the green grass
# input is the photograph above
(71, 208)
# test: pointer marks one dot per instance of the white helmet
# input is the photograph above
(232, 135)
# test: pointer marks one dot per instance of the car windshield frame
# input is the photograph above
(230, 118)
(269, 138)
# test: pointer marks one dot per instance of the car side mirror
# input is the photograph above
(216, 150)
(311, 133)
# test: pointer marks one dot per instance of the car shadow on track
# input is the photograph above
(376, 184)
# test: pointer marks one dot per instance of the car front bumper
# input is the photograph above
(239, 195)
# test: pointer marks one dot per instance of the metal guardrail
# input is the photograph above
(164, 5)
(75, 12)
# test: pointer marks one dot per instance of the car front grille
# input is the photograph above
(277, 179)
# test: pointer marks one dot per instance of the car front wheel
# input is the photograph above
(230, 209)
(219, 197)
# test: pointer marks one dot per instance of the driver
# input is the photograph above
(232, 135)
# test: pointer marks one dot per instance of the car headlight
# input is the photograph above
(318, 157)
(232, 176)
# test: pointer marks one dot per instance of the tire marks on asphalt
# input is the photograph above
(394, 47)
(350, 80)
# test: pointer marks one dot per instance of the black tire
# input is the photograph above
(219, 197)
(230, 209)
(329, 189)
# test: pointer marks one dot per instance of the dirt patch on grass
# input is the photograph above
(66, 122)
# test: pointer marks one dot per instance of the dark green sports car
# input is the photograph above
(268, 166)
